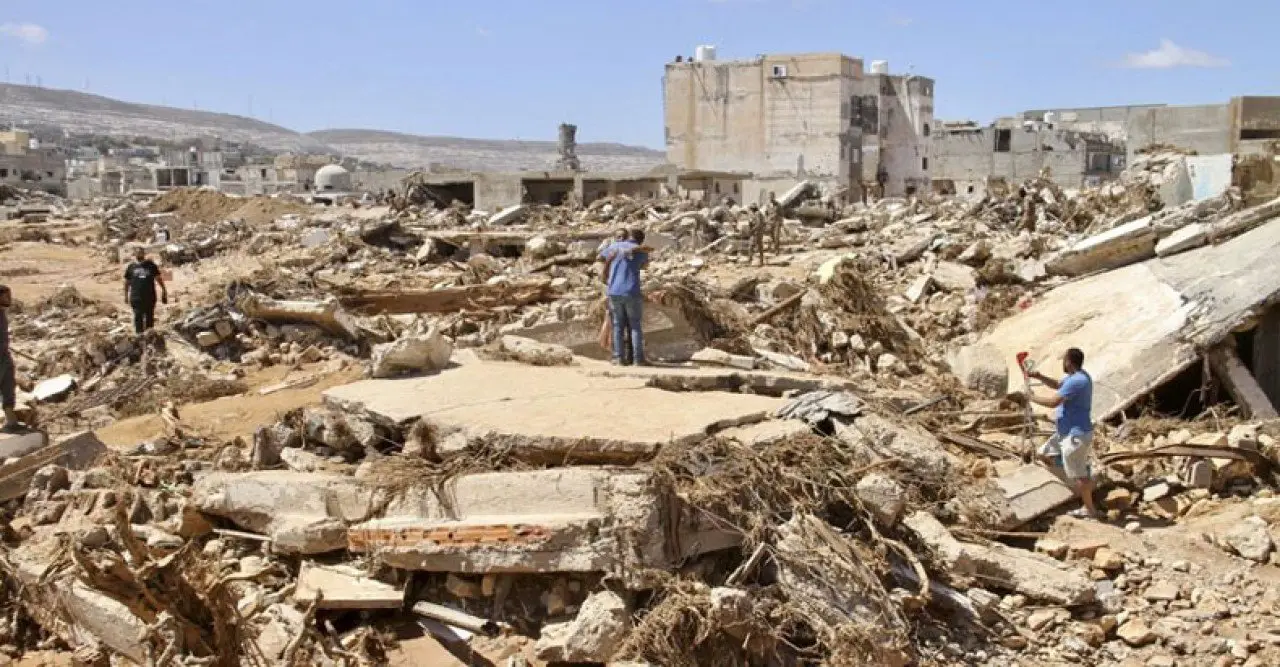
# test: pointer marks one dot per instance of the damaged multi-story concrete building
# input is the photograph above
(970, 157)
(782, 119)
(25, 163)
(1085, 145)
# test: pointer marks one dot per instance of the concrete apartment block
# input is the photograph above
(786, 118)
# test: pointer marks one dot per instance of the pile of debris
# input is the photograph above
(823, 468)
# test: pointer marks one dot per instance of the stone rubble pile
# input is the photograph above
(877, 512)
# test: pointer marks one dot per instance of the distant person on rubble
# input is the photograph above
(140, 279)
(623, 261)
(8, 377)
(756, 224)
(1072, 440)
(773, 213)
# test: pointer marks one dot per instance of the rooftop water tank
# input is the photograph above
(879, 66)
(704, 53)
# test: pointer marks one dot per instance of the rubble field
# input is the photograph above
(365, 436)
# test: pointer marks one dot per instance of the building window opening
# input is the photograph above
(779, 71)
(736, 188)
(1259, 134)
(924, 163)
(970, 189)
(716, 188)
(1004, 139)
(262, 173)
(4, 173)
(926, 129)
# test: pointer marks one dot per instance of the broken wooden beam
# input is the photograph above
(450, 299)
(1240, 383)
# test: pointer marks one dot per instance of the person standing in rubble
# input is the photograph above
(8, 375)
(1073, 438)
(623, 262)
(773, 212)
(756, 228)
(606, 330)
(140, 279)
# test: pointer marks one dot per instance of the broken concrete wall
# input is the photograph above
(580, 519)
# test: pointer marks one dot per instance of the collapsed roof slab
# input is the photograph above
(1140, 325)
(550, 414)
(577, 519)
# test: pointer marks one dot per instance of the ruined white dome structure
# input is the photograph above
(333, 178)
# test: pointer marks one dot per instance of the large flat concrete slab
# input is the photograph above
(1142, 324)
(550, 413)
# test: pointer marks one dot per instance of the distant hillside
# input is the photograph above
(43, 108)
(410, 150)
(84, 113)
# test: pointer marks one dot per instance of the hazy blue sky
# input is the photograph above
(516, 68)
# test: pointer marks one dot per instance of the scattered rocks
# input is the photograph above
(1135, 633)
(1249, 538)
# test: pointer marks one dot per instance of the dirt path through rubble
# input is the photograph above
(36, 270)
(234, 416)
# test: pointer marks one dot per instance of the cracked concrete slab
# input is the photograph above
(552, 414)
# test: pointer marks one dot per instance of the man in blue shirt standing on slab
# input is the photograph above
(623, 262)
(1073, 437)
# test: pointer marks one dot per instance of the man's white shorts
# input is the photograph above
(1074, 450)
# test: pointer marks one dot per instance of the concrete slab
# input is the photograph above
(1121, 245)
(13, 445)
(1142, 324)
(73, 611)
(301, 512)
(579, 519)
(77, 452)
(345, 587)
(550, 413)
(1032, 490)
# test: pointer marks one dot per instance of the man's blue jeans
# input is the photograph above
(628, 314)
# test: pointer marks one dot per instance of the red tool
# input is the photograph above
(1028, 429)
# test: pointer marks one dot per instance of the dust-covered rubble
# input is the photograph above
(819, 468)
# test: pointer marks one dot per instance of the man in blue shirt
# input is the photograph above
(623, 262)
(1073, 437)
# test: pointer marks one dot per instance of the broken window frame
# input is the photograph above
(1003, 141)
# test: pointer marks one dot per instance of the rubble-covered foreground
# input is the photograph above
(360, 437)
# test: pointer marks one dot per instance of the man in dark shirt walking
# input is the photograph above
(140, 279)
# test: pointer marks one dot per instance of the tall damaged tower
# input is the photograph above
(568, 148)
